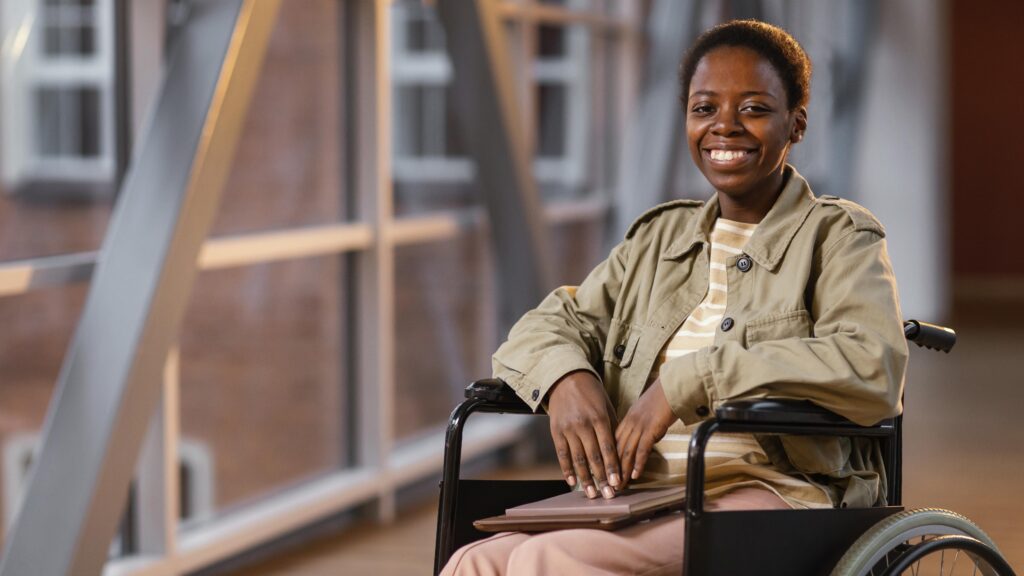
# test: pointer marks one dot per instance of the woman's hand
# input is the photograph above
(582, 420)
(645, 423)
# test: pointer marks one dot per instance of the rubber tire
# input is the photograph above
(893, 531)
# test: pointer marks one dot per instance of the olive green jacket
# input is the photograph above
(812, 314)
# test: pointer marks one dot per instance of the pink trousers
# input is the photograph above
(648, 548)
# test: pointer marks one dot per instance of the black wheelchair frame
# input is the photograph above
(715, 543)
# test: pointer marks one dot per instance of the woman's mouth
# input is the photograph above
(728, 158)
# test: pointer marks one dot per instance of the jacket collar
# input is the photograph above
(774, 233)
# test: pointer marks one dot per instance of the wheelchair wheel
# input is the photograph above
(925, 541)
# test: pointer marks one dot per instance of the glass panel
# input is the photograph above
(577, 248)
(585, 5)
(37, 329)
(57, 139)
(287, 170)
(69, 29)
(552, 108)
(68, 122)
(264, 385)
(430, 169)
(572, 110)
(445, 328)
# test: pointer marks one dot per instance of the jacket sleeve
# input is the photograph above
(852, 363)
(565, 333)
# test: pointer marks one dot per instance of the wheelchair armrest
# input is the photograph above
(797, 412)
(494, 395)
(768, 417)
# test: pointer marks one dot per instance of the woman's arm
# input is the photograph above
(853, 364)
(551, 354)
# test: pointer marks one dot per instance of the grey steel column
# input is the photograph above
(659, 127)
(492, 127)
(110, 382)
(849, 73)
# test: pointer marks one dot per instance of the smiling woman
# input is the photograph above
(741, 120)
(763, 291)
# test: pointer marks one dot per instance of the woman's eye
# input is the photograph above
(702, 109)
(755, 108)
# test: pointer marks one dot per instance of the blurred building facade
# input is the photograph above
(279, 350)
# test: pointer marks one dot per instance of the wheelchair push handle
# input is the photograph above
(931, 336)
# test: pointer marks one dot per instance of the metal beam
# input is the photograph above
(652, 142)
(492, 126)
(849, 72)
(110, 382)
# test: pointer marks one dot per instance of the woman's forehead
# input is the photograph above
(736, 69)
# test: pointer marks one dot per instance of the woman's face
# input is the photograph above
(739, 125)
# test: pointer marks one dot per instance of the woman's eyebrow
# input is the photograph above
(744, 94)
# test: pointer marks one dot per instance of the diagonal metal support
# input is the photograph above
(492, 127)
(110, 382)
(654, 135)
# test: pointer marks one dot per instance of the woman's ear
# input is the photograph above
(799, 125)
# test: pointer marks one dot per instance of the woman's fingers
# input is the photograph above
(606, 443)
(596, 462)
(643, 449)
(564, 458)
(627, 452)
(581, 465)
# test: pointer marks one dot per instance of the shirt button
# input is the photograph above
(535, 394)
(619, 351)
(744, 263)
(727, 324)
(702, 411)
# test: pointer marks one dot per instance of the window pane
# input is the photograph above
(445, 328)
(287, 170)
(37, 329)
(68, 122)
(263, 381)
(576, 248)
(552, 108)
(551, 41)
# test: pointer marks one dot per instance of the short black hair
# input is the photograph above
(772, 43)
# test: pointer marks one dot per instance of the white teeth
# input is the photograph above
(727, 155)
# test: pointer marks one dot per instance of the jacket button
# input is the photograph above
(727, 324)
(619, 351)
(702, 411)
(535, 394)
(744, 263)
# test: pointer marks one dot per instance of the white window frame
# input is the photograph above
(25, 69)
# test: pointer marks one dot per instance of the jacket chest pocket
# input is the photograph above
(622, 342)
(779, 326)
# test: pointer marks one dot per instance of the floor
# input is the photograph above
(962, 451)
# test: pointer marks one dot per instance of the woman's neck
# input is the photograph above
(752, 207)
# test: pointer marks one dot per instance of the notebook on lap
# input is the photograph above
(575, 510)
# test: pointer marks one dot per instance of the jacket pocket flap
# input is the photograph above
(779, 326)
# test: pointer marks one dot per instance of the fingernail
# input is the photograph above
(613, 479)
(608, 492)
(635, 474)
(571, 480)
(591, 492)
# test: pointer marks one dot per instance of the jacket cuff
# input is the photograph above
(555, 363)
(689, 386)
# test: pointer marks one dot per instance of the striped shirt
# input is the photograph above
(732, 460)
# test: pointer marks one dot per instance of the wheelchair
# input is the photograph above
(884, 540)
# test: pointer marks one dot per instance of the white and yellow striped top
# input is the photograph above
(733, 460)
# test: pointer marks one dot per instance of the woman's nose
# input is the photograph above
(726, 124)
